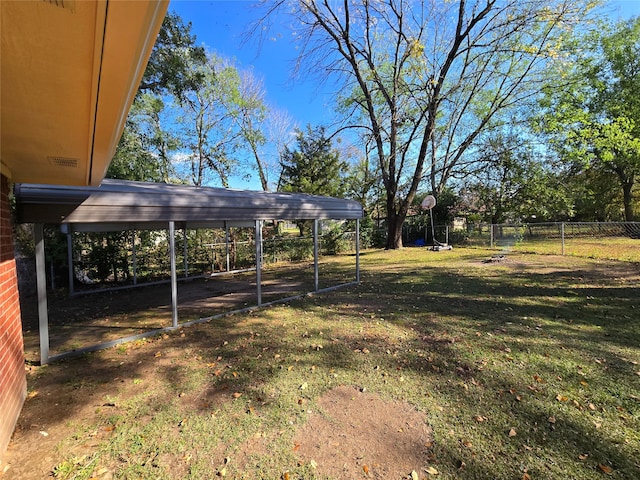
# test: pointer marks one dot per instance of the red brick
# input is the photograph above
(12, 375)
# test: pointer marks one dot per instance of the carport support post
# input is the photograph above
(357, 250)
(70, 259)
(174, 279)
(259, 261)
(41, 284)
(316, 283)
(185, 252)
(226, 242)
(134, 259)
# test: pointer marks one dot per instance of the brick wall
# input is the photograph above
(13, 385)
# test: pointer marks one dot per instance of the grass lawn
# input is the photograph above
(526, 368)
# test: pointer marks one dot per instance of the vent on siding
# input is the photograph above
(64, 162)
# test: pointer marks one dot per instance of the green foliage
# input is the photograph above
(145, 147)
(314, 167)
(424, 86)
(170, 67)
(512, 182)
(334, 240)
(594, 121)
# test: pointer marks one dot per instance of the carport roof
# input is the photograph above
(139, 204)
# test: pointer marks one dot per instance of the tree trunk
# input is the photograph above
(627, 198)
(394, 230)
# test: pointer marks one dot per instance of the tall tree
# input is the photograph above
(594, 121)
(170, 67)
(314, 167)
(250, 119)
(146, 145)
(219, 120)
(429, 76)
(513, 182)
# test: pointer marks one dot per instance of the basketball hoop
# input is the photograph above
(428, 203)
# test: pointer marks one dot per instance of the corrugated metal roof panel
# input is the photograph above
(120, 201)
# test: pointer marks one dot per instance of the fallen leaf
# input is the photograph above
(512, 432)
(414, 475)
(561, 398)
(467, 443)
(313, 464)
(237, 395)
(285, 476)
(552, 419)
(538, 379)
(526, 476)
(304, 386)
(479, 418)
(591, 406)
(583, 456)
(365, 469)
(431, 471)
(222, 472)
(605, 468)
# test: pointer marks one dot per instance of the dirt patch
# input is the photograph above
(357, 433)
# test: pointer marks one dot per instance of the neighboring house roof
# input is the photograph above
(120, 204)
(70, 71)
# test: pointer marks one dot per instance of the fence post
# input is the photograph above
(491, 234)
(562, 235)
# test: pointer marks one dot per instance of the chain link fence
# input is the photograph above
(616, 240)
(610, 240)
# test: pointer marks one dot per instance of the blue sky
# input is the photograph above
(220, 24)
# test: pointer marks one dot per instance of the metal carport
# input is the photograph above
(122, 205)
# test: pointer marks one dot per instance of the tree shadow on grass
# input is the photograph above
(474, 341)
